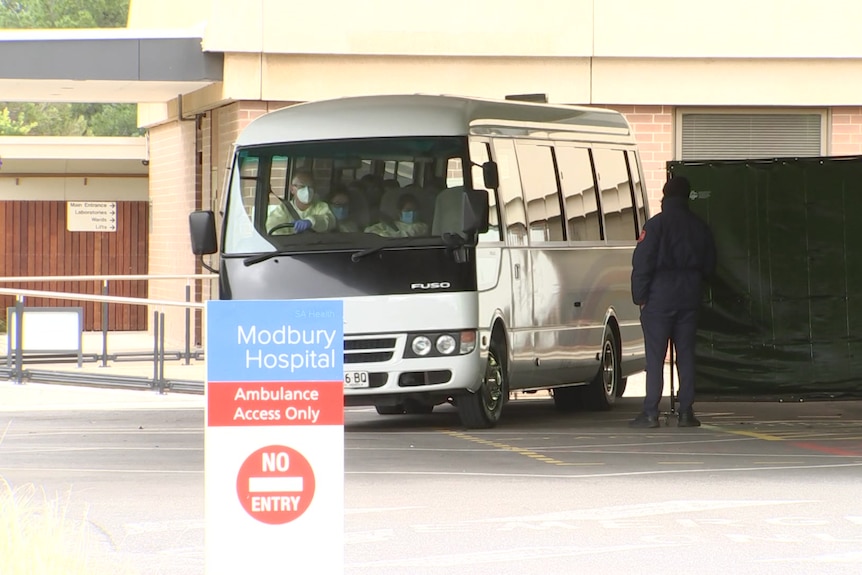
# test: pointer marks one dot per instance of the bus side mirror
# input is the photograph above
(474, 211)
(203, 232)
(491, 175)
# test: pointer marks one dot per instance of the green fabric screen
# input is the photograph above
(783, 315)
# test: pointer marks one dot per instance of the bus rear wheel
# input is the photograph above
(482, 409)
(601, 393)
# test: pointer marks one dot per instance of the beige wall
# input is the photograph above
(726, 28)
(712, 82)
(73, 188)
(172, 185)
(313, 77)
(59, 168)
(628, 52)
(603, 28)
(444, 27)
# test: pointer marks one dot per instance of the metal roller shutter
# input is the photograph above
(740, 136)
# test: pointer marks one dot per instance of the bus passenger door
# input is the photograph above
(516, 265)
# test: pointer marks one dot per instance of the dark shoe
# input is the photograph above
(687, 419)
(644, 421)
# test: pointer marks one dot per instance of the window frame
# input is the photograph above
(623, 151)
(586, 147)
(550, 145)
(824, 113)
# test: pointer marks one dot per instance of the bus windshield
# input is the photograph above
(345, 194)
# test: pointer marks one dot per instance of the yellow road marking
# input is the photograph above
(511, 448)
(754, 434)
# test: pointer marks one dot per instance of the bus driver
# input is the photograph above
(304, 209)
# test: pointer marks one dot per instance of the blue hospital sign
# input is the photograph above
(275, 341)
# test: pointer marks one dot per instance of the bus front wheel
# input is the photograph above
(483, 408)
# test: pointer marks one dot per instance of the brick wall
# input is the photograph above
(172, 184)
(222, 127)
(653, 129)
(846, 131)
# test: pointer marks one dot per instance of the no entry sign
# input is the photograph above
(275, 484)
(274, 440)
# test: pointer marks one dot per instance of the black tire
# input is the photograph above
(601, 393)
(621, 387)
(482, 409)
(389, 409)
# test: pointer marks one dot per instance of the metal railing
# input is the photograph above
(158, 356)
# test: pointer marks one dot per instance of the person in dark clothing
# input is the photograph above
(674, 255)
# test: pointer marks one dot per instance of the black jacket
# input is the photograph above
(675, 253)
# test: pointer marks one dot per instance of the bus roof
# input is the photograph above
(421, 115)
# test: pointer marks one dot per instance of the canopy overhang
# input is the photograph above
(114, 65)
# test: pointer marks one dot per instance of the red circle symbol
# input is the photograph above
(275, 484)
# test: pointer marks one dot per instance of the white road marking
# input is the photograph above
(599, 475)
(380, 509)
(505, 555)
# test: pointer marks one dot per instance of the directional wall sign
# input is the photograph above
(91, 216)
(274, 438)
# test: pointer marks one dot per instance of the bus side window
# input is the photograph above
(539, 179)
(479, 154)
(511, 200)
(637, 187)
(616, 195)
(576, 179)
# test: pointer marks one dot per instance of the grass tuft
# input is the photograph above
(38, 537)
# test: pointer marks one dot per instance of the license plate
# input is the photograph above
(356, 379)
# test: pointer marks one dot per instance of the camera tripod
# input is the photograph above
(668, 414)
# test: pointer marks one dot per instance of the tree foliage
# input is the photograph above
(66, 119)
(64, 13)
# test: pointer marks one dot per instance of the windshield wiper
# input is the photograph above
(251, 260)
(356, 256)
(451, 241)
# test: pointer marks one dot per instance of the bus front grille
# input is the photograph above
(371, 350)
(372, 357)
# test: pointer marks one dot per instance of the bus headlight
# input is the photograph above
(421, 345)
(440, 343)
(446, 344)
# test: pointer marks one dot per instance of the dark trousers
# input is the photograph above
(660, 327)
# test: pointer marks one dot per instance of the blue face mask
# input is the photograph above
(340, 212)
(407, 216)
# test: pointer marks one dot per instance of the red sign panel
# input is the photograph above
(275, 403)
(275, 484)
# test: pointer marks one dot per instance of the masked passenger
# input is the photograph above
(408, 224)
(340, 205)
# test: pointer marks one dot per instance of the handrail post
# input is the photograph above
(155, 348)
(188, 353)
(19, 339)
(105, 325)
(162, 355)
